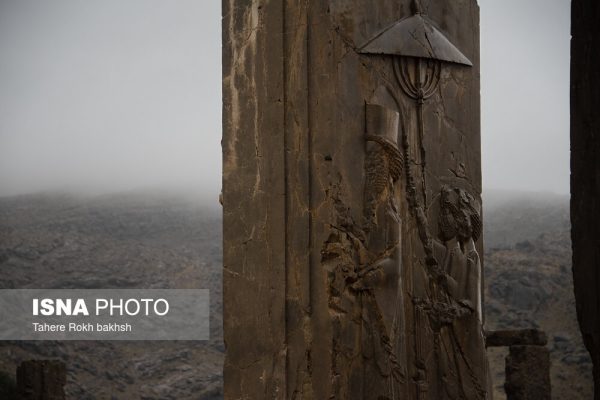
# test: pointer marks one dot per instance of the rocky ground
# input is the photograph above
(135, 240)
(529, 284)
(162, 240)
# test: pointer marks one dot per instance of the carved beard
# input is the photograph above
(447, 221)
(464, 229)
(377, 184)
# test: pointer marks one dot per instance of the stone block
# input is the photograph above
(528, 373)
(520, 337)
(41, 380)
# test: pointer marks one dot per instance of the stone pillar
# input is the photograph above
(585, 170)
(527, 364)
(528, 373)
(41, 380)
(351, 200)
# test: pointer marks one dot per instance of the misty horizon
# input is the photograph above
(108, 97)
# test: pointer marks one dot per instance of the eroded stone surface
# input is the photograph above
(352, 211)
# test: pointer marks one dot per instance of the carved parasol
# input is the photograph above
(418, 49)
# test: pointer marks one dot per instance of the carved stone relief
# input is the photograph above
(445, 286)
(362, 165)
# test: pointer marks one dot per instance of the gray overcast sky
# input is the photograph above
(114, 94)
(109, 94)
(525, 51)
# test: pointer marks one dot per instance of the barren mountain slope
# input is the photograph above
(135, 240)
(529, 284)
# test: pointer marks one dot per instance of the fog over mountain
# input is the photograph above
(111, 95)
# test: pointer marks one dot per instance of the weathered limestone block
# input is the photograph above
(585, 170)
(41, 380)
(528, 373)
(520, 337)
(351, 200)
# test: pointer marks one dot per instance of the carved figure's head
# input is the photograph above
(459, 215)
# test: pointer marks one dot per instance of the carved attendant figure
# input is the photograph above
(460, 332)
(460, 227)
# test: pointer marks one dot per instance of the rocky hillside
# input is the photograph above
(161, 240)
(529, 284)
(135, 240)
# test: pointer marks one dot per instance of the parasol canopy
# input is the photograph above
(415, 36)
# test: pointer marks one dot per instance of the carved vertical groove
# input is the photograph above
(298, 196)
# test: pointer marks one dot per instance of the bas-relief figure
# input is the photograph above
(460, 330)
(364, 265)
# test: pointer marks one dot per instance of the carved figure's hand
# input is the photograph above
(359, 286)
(369, 280)
(442, 280)
(467, 304)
